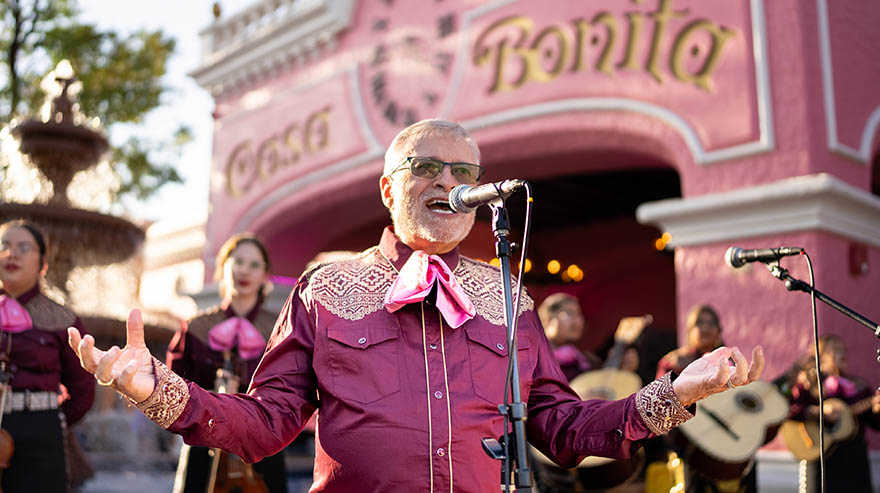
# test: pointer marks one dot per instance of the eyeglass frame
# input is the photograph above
(408, 162)
(21, 248)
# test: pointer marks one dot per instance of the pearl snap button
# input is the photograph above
(438, 394)
(500, 346)
(362, 340)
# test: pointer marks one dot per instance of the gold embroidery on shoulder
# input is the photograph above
(352, 288)
(482, 283)
(46, 314)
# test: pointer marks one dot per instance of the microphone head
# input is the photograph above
(733, 258)
(455, 202)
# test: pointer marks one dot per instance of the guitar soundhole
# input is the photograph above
(749, 402)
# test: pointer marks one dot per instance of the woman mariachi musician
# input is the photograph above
(34, 339)
(238, 329)
(703, 329)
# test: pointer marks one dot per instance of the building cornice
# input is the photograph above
(266, 37)
(805, 203)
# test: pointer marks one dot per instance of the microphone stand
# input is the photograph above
(794, 284)
(501, 448)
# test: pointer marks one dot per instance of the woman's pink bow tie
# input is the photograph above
(225, 335)
(415, 281)
(13, 317)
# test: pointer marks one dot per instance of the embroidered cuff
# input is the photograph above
(168, 399)
(659, 407)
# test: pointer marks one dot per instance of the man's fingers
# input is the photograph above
(135, 329)
(73, 338)
(125, 378)
(722, 373)
(740, 374)
(104, 371)
(718, 355)
(86, 354)
(757, 365)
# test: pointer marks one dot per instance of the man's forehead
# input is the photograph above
(447, 147)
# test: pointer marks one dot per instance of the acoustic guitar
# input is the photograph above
(802, 438)
(731, 426)
(610, 382)
(607, 383)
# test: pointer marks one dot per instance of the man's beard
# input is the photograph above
(412, 219)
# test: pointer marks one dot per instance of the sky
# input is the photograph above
(186, 102)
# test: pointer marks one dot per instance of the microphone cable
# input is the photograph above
(511, 344)
(819, 382)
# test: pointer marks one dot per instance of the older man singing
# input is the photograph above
(403, 349)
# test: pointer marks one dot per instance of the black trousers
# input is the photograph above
(38, 463)
(199, 466)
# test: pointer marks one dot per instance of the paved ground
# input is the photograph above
(154, 482)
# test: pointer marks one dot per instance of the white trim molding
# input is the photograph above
(764, 142)
(265, 37)
(805, 203)
(863, 153)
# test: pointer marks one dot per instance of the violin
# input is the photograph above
(230, 474)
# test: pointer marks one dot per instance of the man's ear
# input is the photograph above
(385, 189)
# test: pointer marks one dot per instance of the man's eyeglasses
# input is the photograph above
(430, 168)
(20, 248)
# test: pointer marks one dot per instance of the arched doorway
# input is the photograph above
(585, 217)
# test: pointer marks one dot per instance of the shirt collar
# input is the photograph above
(250, 316)
(398, 252)
(26, 296)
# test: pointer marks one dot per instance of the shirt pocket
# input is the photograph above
(488, 357)
(364, 362)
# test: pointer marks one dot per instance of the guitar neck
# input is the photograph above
(861, 406)
(615, 356)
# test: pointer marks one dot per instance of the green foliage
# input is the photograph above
(120, 76)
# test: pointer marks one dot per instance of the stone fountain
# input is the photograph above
(94, 267)
(91, 256)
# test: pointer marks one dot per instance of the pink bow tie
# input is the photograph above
(415, 281)
(13, 317)
(225, 335)
(840, 386)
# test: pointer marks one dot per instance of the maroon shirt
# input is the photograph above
(190, 356)
(40, 358)
(404, 399)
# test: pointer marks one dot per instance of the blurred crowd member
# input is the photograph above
(33, 346)
(238, 330)
(846, 464)
(563, 322)
(703, 336)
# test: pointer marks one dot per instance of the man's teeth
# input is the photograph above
(440, 206)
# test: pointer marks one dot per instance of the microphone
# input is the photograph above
(737, 257)
(465, 198)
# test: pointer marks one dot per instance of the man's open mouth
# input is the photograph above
(440, 206)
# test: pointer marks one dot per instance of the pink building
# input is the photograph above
(749, 123)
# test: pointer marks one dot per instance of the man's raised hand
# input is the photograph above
(712, 374)
(129, 370)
